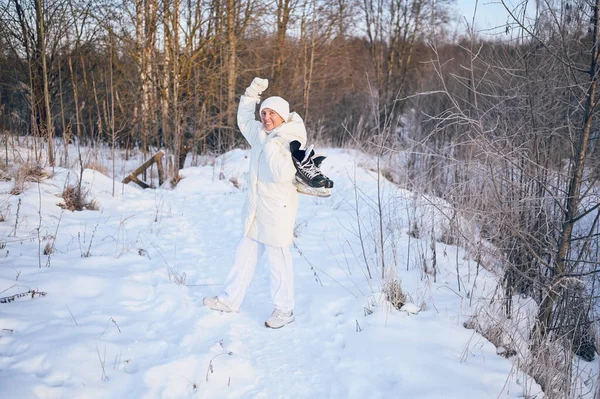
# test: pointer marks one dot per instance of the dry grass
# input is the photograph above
(177, 179)
(392, 290)
(387, 174)
(235, 182)
(550, 365)
(548, 360)
(4, 175)
(76, 200)
(48, 249)
(28, 173)
(496, 333)
(98, 167)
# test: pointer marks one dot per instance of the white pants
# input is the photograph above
(247, 255)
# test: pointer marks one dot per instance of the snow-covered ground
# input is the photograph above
(123, 316)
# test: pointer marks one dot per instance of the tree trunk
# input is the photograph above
(309, 62)
(231, 62)
(574, 197)
(49, 125)
(176, 83)
(75, 93)
(139, 54)
(284, 8)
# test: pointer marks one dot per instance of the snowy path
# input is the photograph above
(271, 357)
(117, 324)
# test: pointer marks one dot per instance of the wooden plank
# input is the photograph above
(139, 182)
(155, 158)
(161, 172)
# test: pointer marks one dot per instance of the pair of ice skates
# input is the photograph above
(309, 178)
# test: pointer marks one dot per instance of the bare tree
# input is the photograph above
(504, 134)
(49, 126)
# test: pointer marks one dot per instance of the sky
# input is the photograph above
(491, 14)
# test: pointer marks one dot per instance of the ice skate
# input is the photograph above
(309, 178)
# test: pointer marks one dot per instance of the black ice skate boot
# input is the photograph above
(309, 178)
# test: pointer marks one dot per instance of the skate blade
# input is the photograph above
(314, 191)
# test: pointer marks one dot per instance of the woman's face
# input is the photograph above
(270, 119)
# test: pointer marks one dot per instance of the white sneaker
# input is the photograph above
(279, 319)
(215, 303)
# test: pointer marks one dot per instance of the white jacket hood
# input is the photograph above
(291, 130)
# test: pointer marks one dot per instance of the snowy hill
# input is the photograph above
(122, 314)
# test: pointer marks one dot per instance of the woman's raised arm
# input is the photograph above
(247, 123)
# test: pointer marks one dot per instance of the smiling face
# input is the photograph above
(270, 119)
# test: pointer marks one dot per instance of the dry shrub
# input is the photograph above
(414, 230)
(548, 360)
(549, 363)
(451, 233)
(573, 322)
(76, 200)
(98, 167)
(48, 249)
(4, 175)
(494, 330)
(392, 290)
(176, 179)
(388, 175)
(449, 237)
(28, 173)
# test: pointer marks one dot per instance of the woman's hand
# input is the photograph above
(256, 88)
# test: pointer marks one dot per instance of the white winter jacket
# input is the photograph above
(271, 205)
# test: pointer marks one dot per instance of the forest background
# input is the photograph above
(503, 127)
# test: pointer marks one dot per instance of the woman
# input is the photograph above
(269, 212)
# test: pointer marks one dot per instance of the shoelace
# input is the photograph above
(279, 314)
(307, 153)
(310, 170)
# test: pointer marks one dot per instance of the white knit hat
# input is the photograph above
(278, 105)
